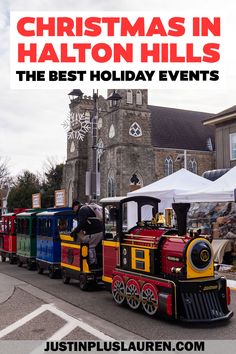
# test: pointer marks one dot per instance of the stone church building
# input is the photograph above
(123, 144)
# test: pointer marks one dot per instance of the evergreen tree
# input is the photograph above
(20, 195)
(53, 181)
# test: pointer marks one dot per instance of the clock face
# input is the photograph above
(72, 147)
(99, 123)
(112, 132)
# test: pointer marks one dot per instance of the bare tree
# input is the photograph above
(5, 178)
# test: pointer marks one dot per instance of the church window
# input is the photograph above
(136, 179)
(100, 148)
(135, 130)
(72, 147)
(87, 116)
(129, 96)
(192, 166)
(168, 166)
(111, 187)
(99, 123)
(112, 131)
(139, 98)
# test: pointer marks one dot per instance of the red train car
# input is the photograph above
(8, 236)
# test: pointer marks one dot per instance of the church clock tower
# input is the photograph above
(124, 151)
(77, 162)
(127, 158)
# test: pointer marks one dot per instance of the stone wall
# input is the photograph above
(205, 160)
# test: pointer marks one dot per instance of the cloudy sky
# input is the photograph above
(30, 121)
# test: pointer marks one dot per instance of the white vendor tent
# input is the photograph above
(168, 187)
(221, 190)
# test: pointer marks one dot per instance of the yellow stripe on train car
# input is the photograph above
(111, 243)
(66, 237)
(69, 245)
(65, 265)
(107, 279)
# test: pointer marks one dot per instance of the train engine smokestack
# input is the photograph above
(181, 210)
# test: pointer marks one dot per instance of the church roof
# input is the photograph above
(181, 129)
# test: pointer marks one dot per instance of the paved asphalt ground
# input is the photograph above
(32, 306)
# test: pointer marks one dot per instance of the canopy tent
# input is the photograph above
(168, 187)
(221, 190)
(166, 190)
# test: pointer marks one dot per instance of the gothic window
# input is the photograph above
(99, 123)
(72, 146)
(139, 98)
(112, 132)
(100, 148)
(87, 116)
(135, 130)
(168, 166)
(111, 187)
(129, 96)
(136, 179)
(192, 166)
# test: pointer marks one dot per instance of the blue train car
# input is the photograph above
(49, 225)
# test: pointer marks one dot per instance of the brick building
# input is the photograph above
(136, 143)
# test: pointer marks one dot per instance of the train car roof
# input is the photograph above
(110, 200)
(27, 213)
(56, 212)
(9, 214)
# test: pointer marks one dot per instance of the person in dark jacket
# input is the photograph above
(88, 230)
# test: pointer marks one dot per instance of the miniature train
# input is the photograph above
(145, 264)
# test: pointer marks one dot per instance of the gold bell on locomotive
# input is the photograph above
(168, 216)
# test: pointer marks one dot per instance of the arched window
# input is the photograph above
(136, 179)
(111, 184)
(112, 132)
(139, 98)
(192, 166)
(99, 124)
(111, 187)
(100, 149)
(168, 166)
(129, 96)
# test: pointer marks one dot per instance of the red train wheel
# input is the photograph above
(118, 289)
(149, 299)
(133, 294)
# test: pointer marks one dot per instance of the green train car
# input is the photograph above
(26, 238)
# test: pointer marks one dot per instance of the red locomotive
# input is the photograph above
(150, 266)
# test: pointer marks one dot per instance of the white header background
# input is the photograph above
(30, 120)
(136, 65)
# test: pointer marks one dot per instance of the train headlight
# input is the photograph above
(200, 255)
